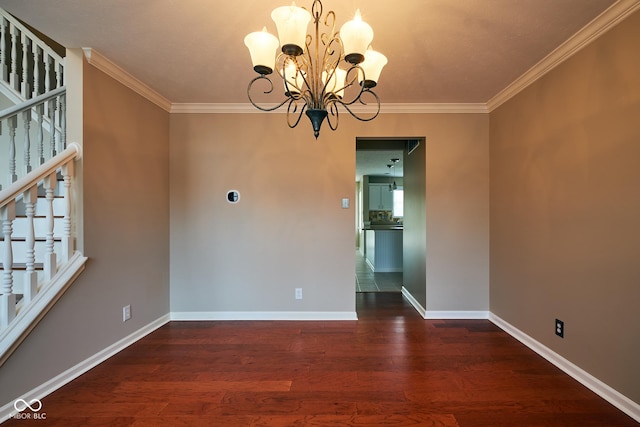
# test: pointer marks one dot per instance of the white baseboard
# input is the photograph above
(414, 302)
(434, 314)
(264, 315)
(43, 390)
(612, 396)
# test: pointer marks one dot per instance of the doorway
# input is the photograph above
(379, 222)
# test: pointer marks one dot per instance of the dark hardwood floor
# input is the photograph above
(390, 368)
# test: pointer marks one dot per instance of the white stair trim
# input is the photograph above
(29, 316)
(74, 372)
(609, 394)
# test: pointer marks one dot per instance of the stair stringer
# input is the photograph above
(28, 317)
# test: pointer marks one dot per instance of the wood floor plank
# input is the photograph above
(389, 368)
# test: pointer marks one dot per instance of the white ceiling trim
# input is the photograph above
(247, 108)
(105, 65)
(590, 32)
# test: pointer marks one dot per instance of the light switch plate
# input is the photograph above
(345, 203)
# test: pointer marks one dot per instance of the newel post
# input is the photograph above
(67, 237)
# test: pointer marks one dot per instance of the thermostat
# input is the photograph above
(233, 196)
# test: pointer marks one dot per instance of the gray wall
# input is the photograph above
(565, 206)
(126, 217)
(289, 231)
(414, 238)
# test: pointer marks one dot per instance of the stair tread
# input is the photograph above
(41, 216)
(23, 266)
(37, 239)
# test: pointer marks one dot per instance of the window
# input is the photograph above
(398, 203)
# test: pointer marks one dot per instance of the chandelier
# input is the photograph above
(318, 71)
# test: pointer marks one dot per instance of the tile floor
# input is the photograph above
(368, 281)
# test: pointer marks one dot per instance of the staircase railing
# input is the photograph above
(22, 305)
(28, 66)
(38, 258)
(32, 78)
(47, 110)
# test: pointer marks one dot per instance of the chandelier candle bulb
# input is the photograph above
(356, 37)
(336, 81)
(262, 48)
(292, 22)
(293, 78)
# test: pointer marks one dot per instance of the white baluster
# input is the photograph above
(47, 79)
(59, 109)
(14, 81)
(67, 239)
(47, 72)
(50, 265)
(24, 88)
(40, 113)
(52, 127)
(3, 51)
(13, 124)
(63, 123)
(0, 134)
(26, 117)
(36, 69)
(7, 297)
(31, 276)
(59, 71)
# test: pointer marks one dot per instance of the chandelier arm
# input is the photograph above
(259, 107)
(353, 82)
(329, 66)
(281, 68)
(362, 119)
(328, 37)
(307, 64)
(333, 112)
(292, 113)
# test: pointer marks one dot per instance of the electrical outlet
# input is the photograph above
(126, 313)
(560, 328)
(298, 293)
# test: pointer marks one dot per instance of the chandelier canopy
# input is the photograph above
(319, 71)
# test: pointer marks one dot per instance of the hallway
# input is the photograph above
(368, 281)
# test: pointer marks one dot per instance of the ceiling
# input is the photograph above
(439, 51)
(374, 162)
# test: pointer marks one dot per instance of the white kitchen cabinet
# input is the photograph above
(380, 198)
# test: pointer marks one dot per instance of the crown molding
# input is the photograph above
(247, 108)
(590, 32)
(420, 108)
(103, 64)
